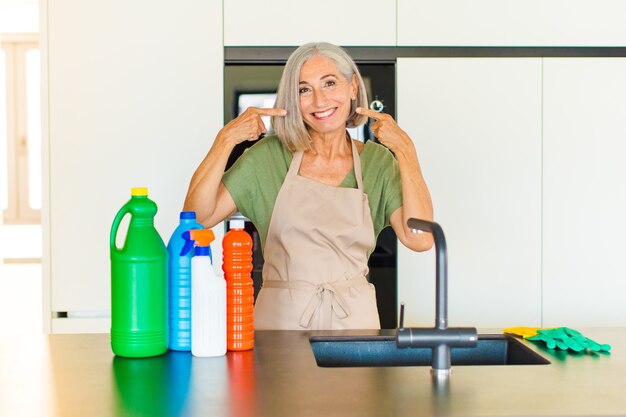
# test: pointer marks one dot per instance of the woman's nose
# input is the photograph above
(319, 98)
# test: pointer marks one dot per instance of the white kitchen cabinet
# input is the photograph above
(476, 125)
(584, 194)
(511, 23)
(292, 23)
(133, 97)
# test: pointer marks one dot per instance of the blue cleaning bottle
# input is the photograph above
(179, 273)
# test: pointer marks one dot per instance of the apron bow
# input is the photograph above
(325, 298)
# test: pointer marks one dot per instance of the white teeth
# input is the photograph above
(324, 114)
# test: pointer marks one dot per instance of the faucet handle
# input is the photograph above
(401, 325)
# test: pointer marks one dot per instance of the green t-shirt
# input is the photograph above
(257, 176)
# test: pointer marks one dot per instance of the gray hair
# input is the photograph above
(291, 129)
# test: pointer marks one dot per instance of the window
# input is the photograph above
(20, 129)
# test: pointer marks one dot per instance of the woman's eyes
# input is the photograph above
(326, 84)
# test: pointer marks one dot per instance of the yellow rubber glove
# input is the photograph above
(522, 331)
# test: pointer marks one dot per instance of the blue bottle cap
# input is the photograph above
(203, 251)
(186, 215)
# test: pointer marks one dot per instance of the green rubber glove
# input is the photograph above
(586, 342)
(543, 336)
(565, 338)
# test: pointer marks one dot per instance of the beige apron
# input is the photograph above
(314, 276)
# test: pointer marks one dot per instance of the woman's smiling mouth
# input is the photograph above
(324, 114)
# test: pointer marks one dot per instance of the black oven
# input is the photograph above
(250, 80)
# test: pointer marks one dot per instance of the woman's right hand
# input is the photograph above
(248, 125)
(206, 195)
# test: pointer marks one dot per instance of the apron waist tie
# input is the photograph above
(326, 297)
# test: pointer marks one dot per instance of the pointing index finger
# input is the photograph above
(270, 111)
(369, 113)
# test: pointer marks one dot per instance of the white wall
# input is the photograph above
(19, 16)
(293, 22)
(134, 92)
(584, 274)
(426, 22)
(476, 124)
(524, 159)
(511, 23)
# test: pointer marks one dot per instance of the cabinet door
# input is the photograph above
(584, 192)
(292, 23)
(125, 108)
(476, 125)
(511, 23)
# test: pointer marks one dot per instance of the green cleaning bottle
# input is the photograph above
(138, 282)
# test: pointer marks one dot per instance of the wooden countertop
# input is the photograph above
(78, 375)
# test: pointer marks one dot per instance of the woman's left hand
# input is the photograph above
(415, 195)
(386, 129)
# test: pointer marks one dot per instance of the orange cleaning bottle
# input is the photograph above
(237, 266)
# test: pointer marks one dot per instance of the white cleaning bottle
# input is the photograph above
(208, 298)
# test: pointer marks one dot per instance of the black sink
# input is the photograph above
(368, 351)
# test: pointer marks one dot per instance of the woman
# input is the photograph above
(317, 197)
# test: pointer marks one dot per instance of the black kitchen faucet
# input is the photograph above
(439, 338)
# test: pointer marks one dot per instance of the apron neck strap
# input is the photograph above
(356, 160)
(294, 167)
